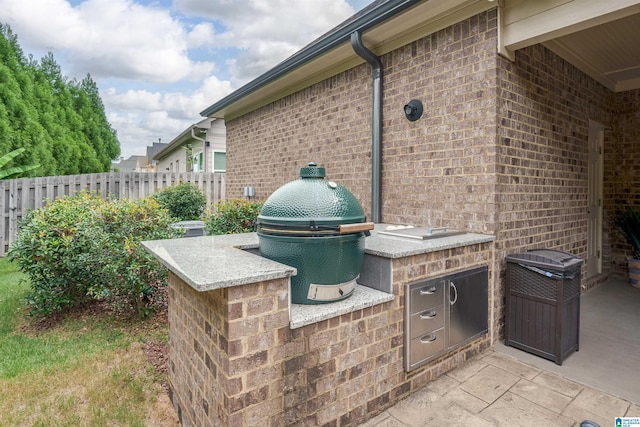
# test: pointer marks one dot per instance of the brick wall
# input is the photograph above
(235, 362)
(439, 170)
(545, 107)
(622, 177)
(226, 350)
(328, 123)
(436, 171)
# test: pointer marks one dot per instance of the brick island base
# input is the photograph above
(235, 361)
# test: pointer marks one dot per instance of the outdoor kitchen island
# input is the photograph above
(241, 355)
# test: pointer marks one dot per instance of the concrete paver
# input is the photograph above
(465, 400)
(559, 384)
(513, 410)
(495, 389)
(512, 365)
(634, 411)
(490, 383)
(541, 395)
(606, 406)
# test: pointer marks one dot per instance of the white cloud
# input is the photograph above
(201, 34)
(266, 31)
(108, 38)
(141, 116)
(154, 65)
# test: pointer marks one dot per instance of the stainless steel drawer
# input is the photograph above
(426, 321)
(430, 294)
(427, 345)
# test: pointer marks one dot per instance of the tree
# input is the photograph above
(20, 126)
(101, 136)
(6, 173)
(60, 123)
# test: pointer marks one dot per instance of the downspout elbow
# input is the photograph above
(204, 146)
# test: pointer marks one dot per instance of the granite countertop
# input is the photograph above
(214, 262)
(400, 247)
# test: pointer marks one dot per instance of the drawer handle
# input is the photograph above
(428, 339)
(428, 291)
(428, 314)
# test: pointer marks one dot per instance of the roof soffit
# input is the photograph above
(599, 37)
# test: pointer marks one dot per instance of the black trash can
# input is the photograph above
(543, 303)
(190, 228)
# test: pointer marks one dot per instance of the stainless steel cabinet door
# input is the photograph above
(468, 305)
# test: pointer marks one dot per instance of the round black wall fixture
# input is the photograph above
(413, 110)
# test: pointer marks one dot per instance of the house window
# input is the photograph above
(198, 162)
(219, 161)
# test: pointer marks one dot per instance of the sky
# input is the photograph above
(159, 63)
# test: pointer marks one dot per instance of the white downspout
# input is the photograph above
(204, 147)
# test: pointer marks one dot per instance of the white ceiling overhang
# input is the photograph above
(602, 38)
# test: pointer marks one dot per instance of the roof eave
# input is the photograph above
(330, 41)
(184, 136)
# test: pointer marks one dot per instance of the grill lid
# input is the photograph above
(312, 205)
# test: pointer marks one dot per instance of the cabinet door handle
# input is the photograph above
(428, 291)
(455, 293)
(428, 339)
(428, 314)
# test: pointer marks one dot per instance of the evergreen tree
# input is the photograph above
(100, 134)
(19, 117)
(60, 123)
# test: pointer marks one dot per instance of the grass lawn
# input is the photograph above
(86, 369)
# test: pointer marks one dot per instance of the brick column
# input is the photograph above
(234, 360)
(225, 345)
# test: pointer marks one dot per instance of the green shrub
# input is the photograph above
(184, 201)
(52, 248)
(232, 216)
(82, 247)
(132, 278)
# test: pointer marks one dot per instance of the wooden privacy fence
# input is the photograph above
(18, 196)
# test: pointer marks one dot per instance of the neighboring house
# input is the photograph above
(199, 148)
(132, 164)
(156, 147)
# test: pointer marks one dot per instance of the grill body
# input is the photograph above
(313, 225)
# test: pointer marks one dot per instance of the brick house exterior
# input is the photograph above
(501, 149)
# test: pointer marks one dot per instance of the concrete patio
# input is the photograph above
(508, 387)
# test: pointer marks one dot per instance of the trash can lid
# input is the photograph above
(189, 225)
(548, 258)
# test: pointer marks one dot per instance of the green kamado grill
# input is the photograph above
(318, 227)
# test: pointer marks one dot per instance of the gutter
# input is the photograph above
(376, 124)
(182, 138)
(326, 43)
